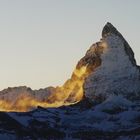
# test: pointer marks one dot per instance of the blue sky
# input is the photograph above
(42, 40)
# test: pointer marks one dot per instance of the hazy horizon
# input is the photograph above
(41, 41)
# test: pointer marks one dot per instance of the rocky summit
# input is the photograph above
(117, 73)
(101, 100)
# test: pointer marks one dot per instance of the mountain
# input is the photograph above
(101, 100)
(118, 73)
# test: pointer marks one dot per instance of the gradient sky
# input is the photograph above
(42, 40)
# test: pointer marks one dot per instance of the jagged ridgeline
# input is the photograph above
(108, 68)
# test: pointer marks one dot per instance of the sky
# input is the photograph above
(41, 41)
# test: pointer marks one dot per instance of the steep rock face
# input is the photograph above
(117, 73)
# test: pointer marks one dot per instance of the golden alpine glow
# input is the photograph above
(70, 93)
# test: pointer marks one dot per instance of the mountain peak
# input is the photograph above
(101, 100)
(109, 29)
(108, 68)
(117, 71)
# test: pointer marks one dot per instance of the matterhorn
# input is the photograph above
(100, 101)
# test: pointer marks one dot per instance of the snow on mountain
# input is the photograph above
(114, 103)
(118, 73)
(109, 108)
